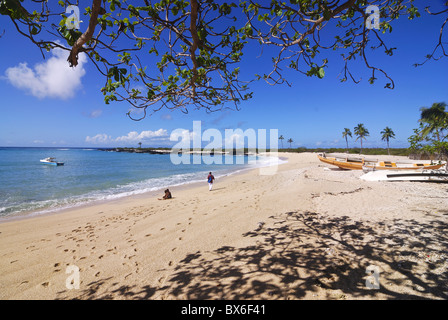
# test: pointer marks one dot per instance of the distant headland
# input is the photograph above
(188, 151)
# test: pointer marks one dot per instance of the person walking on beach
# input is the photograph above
(210, 179)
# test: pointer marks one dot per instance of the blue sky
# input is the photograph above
(44, 111)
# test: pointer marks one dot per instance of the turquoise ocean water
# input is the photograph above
(89, 175)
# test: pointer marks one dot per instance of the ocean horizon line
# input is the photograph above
(285, 149)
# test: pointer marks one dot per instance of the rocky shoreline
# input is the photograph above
(137, 150)
(168, 151)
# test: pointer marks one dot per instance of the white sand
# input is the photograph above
(320, 230)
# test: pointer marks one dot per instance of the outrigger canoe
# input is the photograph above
(362, 163)
(348, 163)
(436, 176)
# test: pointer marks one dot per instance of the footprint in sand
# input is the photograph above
(126, 276)
(56, 265)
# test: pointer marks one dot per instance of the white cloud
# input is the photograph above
(166, 117)
(134, 136)
(96, 113)
(237, 138)
(131, 138)
(99, 138)
(52, 78)
(234, 140)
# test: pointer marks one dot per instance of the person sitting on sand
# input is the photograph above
(167, 195)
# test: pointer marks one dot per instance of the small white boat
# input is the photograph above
(51, 161)
(439, 176)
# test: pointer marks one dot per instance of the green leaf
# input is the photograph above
(150, 94)
(321, 73)
(327, 14)
(34, 30)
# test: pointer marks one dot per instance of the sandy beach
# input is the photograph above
(306, 232)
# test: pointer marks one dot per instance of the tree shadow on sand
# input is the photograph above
(304, 255)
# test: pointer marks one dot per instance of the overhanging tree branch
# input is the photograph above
(188, 54)
(86, 36)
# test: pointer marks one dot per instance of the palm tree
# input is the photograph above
(387, 134)
(361, 132)
(436, 119)
(290, 141)
(346, 133)
(140, 145)
(281, 138)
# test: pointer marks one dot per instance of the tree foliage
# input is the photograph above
(181, 54)
(345, 134)
(281, 138)
(361, 132)
(386, 135)
(435, 120)
(432, 134)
